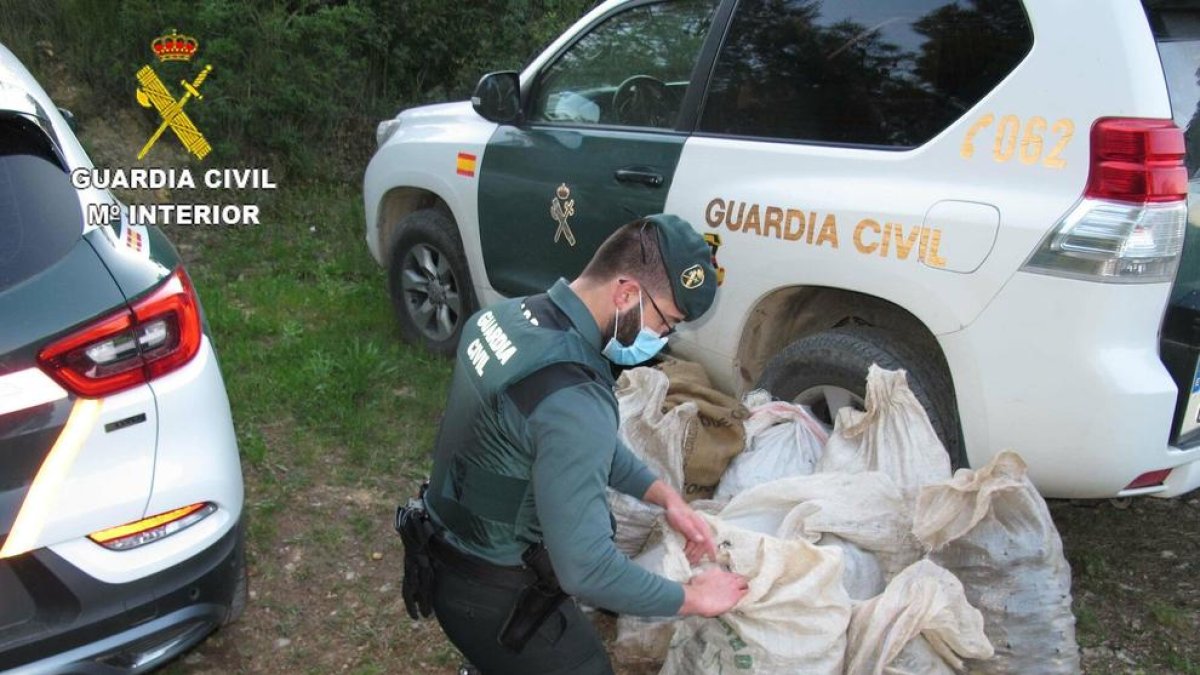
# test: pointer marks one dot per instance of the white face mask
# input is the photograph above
(645, 346)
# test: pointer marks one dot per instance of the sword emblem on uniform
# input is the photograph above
(562, 207)
(153, 92)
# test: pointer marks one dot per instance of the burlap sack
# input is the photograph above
(921, 623)
(865, 509)
(993, 530)
(657, 438)
(792, 620)
(893, 435)
(782, 440)
(716, 435)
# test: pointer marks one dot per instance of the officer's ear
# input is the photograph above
(625, 293)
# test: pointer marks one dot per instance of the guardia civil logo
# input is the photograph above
(562, 207)
(175, 53)
(152, 92)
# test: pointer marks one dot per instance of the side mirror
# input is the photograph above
(497, 97)
(70, 118)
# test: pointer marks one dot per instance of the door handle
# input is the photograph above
(637, 174)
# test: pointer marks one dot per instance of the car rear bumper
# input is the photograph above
(1068, 374)
(57, 619)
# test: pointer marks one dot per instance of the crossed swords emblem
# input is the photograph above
(562, 207)
(154, 93)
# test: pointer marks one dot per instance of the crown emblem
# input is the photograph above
(174, 47)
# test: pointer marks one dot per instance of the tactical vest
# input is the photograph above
(480, 489)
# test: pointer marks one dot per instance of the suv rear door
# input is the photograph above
(52, 283)
(622, 95)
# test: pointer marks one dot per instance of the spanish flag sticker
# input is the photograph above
(135, 238)
(466, 165)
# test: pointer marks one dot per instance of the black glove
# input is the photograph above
(412, 522)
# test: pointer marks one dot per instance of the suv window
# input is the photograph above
(860, 71)
(631, 70)
(40, 217)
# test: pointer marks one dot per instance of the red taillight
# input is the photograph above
(1137, 160)
(161, 332)
(1149, 479)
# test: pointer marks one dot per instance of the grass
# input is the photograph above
(308, 344)
(1182, 664)
(1088, 630)
(335, 417)
(1169, 616)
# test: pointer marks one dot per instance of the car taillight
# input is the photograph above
(156, 335)
(1137, 160)
(1129, 226)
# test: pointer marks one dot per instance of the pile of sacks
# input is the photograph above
(863, 553)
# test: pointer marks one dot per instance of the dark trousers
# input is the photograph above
(472, 612)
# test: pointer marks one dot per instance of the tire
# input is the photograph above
(241, 584)
(429, 281)
(830, 368)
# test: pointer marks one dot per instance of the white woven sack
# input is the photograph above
(993, 530)
(655, 437)
(924, 605)
(792, 620)
(782, 440)
(892, 435)
(865, 509)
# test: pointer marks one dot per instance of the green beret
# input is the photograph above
(688, 260)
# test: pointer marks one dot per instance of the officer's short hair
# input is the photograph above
(632, 251)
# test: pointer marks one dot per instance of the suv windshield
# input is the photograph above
(40, 218)
(1176, 28)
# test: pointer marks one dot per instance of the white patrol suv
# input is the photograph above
(121, 538)
(992, 194)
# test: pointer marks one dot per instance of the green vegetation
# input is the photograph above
(1088, 630)
(297, 85)
(1182, 664)
(1170, 616)
(317, 378)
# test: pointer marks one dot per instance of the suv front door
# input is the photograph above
(603, 129)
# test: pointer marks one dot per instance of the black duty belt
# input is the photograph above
(518, 576)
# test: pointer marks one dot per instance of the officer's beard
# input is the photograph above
(629, 325)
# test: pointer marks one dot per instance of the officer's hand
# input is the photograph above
(712, 593)
(694, 529)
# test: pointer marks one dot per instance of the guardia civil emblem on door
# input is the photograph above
(562, 207)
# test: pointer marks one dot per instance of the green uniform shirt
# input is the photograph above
(527, 445)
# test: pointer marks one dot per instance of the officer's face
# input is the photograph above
(660, 316)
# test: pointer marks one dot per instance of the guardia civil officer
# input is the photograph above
(517, 522)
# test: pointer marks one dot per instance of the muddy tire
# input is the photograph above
(429, 281)
(829, 369)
